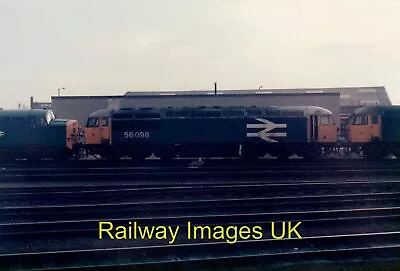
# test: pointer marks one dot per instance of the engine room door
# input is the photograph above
(313, 128)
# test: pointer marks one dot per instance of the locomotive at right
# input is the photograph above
(374, 131)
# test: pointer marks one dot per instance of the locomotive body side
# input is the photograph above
(249, 132)
(207, 135)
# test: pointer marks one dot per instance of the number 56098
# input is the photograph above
(143, 134)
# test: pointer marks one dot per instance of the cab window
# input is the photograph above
(49, 117)
(104, 122)
(374, 119)
(92, 122)
(324, 120)
(360, 120)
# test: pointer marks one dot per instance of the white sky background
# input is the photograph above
(99, 47)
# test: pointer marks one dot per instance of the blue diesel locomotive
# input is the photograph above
(36, 134)
(248, 132)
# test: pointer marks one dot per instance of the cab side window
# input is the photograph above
(92, 122)
(324, 120)
(360, 120)
(104, 122)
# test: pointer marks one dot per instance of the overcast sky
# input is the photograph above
(99, 47)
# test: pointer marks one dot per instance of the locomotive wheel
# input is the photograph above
(62, 157)
(371, 156)
(249, 154)
(312, 155)
(138, 157)
(167, 157)
(33, 157)
(250, 157)
(374, 152)
(110, 157)
(166, 154)
(309, 157)
(6, 157)
(282, 156)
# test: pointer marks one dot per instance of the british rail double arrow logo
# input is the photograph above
(265, 133)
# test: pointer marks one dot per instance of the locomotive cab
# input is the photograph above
(98, 132)
(322, 127)
(322, 132)
(364, 128)
(374, 130)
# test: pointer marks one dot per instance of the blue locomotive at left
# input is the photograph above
(36, 134)
(249, 132)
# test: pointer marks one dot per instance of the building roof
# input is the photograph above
(349, 96)
(156, 94)
(228, 92)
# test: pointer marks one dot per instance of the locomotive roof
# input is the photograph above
(24, 113)
(379, 109)
(101, 113)
(287, 110)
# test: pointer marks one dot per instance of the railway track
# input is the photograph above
(209, 173)
(318, 247)
(182, 163)
(51, 223)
